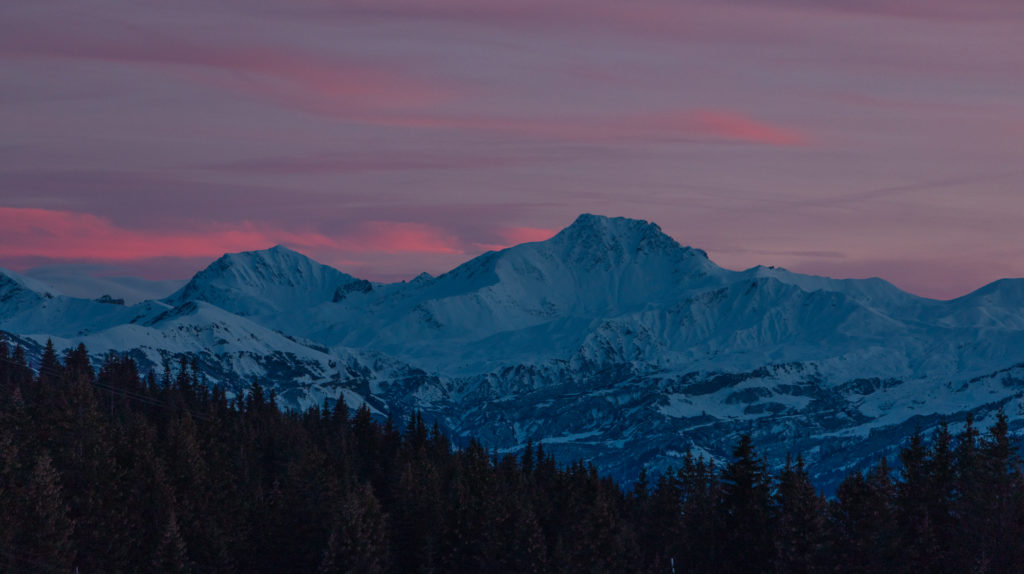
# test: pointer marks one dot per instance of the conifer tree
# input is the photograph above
(918, 541)
(171, 554)
(187, 475)
(800, 533)
(700, 493)
(1003, 550)
(145, 490)
(358, 541)
(77, 366)
(5, 368)
(940, 491)
(44, 537)
(78, 440)
(10, 492)
(416, 510)
(970, 502)
(50, 369)
(862, 520)
(195, 482)
(526, 460)
(661, 521)
(746, 511)
(20, 373)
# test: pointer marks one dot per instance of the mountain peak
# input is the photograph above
(603, 224)
(280, 248)
(276, 252)
(256, 282)
(619, 236)
(596, 265)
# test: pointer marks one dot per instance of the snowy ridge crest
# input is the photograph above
(610, 341)
(262, 282)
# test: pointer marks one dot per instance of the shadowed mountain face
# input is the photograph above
(259, 283)
(609, 341)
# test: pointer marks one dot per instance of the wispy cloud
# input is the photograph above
(322, 82)
(396, 237)
(400, 135)
(920, 186)
(69, 236)
(698, 124)
(733, 126)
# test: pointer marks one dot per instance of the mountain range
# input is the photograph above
(609, 342)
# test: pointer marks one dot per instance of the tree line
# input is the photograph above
(108, 470)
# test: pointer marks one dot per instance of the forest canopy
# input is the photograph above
(107, 470)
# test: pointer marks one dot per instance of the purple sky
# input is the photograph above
(388, 137)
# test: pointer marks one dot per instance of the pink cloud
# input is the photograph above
(377, 92)
(728, 125)
(701, 124)
(324, 86)
(694, 124)
(397, 237)
(27, 233)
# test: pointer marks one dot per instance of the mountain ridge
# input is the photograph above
(609, 341)
(255, 282)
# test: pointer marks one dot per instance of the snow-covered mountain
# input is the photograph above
(609, 341)
(19, 293)
(263, 283)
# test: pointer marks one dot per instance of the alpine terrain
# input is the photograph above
(609, 342)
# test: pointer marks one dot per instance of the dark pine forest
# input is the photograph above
(111, 471)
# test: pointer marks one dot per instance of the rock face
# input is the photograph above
(609, 341)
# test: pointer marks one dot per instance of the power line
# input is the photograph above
(145, 399)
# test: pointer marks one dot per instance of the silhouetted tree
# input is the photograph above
(746, 511)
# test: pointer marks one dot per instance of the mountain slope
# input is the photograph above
(263, 283)
(595, 268)
(609, 341)
(18, 292)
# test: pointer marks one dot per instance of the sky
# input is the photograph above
(389, 137)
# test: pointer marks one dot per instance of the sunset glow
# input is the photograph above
(394, 137)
